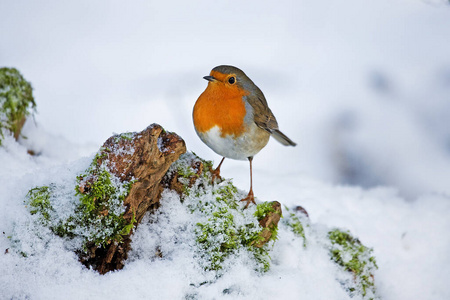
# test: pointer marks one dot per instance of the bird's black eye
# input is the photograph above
(231, 80)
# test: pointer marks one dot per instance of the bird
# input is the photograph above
(232, 118)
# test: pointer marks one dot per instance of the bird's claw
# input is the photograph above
(250, 199)
(215, 174)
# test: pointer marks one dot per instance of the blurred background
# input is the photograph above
(363, 87)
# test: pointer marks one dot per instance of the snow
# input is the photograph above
(363, 88)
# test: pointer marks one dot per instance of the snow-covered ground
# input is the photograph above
(362, 87)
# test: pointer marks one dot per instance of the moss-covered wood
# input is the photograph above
(111, 196)
(16, 102)
(226, 228)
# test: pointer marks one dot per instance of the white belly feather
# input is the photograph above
(242, 147)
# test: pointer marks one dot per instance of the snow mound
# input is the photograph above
(166, 262)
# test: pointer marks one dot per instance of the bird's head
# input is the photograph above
(229, 78)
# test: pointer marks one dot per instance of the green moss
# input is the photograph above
(207, 165)
(185, 166)
(263, 209)
(186, 171)
(98, 211)
(349, 253)
(297, 224)
(220, 224)
(99, 192)
(99, 156)
(38, 201)
(66, 228)
(226, 228)
(218, 236)
(126, 230)
(124, 136)
(16, 101)
(262, 257)
(101, 209)
(226, 193)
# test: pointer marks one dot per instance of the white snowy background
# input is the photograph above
(363, 87)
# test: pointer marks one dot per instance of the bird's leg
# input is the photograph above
(250, 198)
(216, 173)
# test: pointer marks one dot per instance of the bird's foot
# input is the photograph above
(250, 199)
(215, 174)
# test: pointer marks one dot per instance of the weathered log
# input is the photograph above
(144, 158)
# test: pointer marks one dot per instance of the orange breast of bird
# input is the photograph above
(223, 106)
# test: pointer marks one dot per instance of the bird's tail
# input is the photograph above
(279, 136)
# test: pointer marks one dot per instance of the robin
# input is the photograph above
(232, 117)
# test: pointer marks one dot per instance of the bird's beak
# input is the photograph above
(209, 78)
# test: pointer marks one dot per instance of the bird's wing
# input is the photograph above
(265, 119)
(262, 114)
